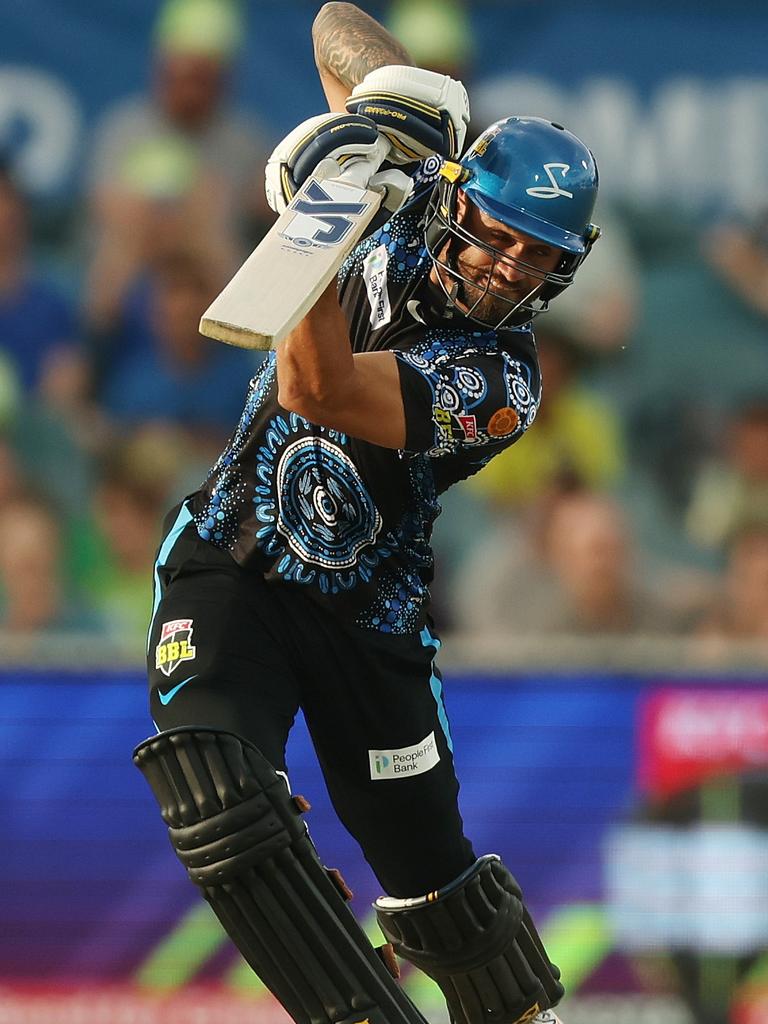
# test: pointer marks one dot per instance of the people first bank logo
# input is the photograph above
(405, 761)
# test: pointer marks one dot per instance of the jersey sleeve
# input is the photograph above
(471, 404)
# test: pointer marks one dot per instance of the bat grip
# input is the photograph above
(359, 170)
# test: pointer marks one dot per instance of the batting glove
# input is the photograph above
(326, 145)
(321, 144)
(419, 111)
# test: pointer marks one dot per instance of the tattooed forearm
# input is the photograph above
(349, 43)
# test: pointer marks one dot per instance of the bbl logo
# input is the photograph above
(175, 645)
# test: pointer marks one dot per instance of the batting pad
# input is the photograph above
(476, 939)
(241, 837)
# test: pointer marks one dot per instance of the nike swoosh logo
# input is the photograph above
(166, 698)
(413, 308)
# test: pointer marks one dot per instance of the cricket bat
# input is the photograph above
(294, 263)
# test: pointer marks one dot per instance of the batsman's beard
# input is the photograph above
(477, 294)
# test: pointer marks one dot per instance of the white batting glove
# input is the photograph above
(395, 185)
(321, 144)
(419, 111)
(333, 146)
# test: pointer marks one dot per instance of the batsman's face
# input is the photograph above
(512, 273)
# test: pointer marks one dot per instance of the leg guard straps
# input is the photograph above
(241, 838)
(477, 941)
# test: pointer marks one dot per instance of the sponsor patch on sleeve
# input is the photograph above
(503, 422)
(455, 426)
(174, 646)
(469, 425)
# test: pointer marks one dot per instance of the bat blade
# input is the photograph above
(293, 264)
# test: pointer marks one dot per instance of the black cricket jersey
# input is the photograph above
(347, 521)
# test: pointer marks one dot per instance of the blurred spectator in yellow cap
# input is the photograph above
(178, 159)
(436, 33)
(199, 28)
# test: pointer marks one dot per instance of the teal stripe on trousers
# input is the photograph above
(436, 685)
(184, 517)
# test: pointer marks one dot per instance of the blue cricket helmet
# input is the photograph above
(537, 178)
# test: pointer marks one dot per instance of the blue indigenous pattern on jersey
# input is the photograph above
(403, 241)
(318, 522)
(402, 237)
(402, 594)
(481, 395)
(219, 519)
(347, 520)
(323, 505)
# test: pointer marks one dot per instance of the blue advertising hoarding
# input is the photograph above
(556, 772)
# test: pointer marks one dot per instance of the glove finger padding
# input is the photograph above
(335, 137)
(396, 186)
(542, 969)
(419, 111)
(476, 940)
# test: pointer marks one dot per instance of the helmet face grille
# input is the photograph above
(444, 235)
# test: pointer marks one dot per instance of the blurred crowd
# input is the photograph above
(633, 506)
(112, 405)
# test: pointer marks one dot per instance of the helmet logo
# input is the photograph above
(553, 190)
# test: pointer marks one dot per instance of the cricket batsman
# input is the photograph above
(297, 576)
